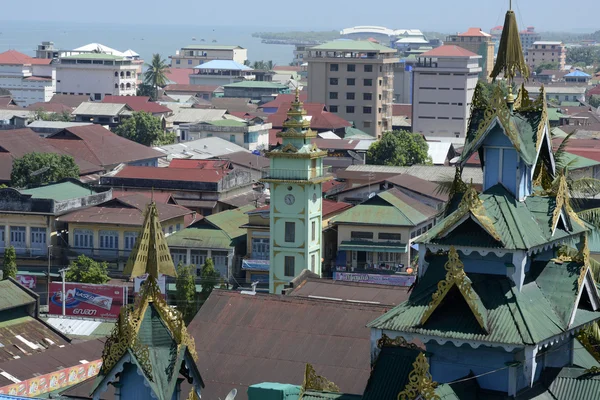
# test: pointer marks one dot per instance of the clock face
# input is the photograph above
(289, 199)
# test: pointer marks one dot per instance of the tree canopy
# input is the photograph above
(86, 270)
(587, 55)
(595, 101)
(10, 263)
(399, 148)
(210, 278)
(42, 115)
(144, 128)
(41, 168)
(545, 66)
(156, 73)
(185, 294)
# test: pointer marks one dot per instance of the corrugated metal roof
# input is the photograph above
(95, 108)
(432, 173)
(201, 149)
(78, 327)
(59, 191)
(200, 238)
(574, 383)
(223, 64)
(231, 220)
(13, 295)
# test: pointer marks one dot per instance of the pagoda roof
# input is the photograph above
(545, 307)
(508, 223)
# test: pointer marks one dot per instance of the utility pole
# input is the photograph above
(49, 264)
(63, 294)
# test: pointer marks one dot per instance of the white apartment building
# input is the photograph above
(29, 80)
(96, 75)
(221, 72)
(355, 80)
(444, 83)
(196, 54)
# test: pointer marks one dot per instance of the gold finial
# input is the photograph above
(420, 382)
(510, 60)
(297, 99)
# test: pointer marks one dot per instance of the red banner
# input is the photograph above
(87, 300)
(53, 381)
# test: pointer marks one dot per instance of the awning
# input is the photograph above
(256, 265)
(376, 247)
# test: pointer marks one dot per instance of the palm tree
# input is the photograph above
(156, 73)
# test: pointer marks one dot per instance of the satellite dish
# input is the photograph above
(371, 195)
(355, 155)
(231, 394)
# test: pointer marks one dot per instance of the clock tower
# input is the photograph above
(295, 177)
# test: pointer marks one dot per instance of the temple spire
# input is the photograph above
(150, 254)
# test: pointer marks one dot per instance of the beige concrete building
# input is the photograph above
(196, 54)
(444, 83)
(478, 42)
(546, 52)
(355, 79)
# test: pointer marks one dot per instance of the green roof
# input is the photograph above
(93, 56)
(13, 295)
(537, 312)
(571, 383)
(570, 104)
(554, 114)
(354, 45)
(256, 84)
(582, 358)
(59, 191)
(390, 373)
(574, 161)
(354, 133)
(231, 220)
(520, 224)
(227, 122)
(314, 395)
(383, 209)
(211, 47)
(201, 237)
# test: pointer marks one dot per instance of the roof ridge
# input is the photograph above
(502, 212)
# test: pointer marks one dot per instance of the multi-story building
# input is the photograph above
(252, 135)
(403, 81)
(220, 72)
(479, 42)
(528, 37)
(96, 75)
(544, 52)
(196, 54)
(444, 83)
(29, 80)
(47, 50)
(355, 79)
(300, 52)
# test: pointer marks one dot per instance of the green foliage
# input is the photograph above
(41, 115)
(210, 278)
(595, 101)
(10, 263)
(262, 65)
(399, 148)
(86, 270)
(41, 168)
(489, 87)
(588, 55)
(146, 90)
(143, 128)
(545, 66)
(156, 73)
(185, 295)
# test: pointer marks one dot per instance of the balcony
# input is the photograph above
(308, 175)
(99, 254)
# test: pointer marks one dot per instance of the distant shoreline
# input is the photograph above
(297, 37)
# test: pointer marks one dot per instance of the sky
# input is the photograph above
(429, 15)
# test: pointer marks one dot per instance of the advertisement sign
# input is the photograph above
(53, 381)
(137, 283)
(393, 280)
(29, 281)
(87, 300)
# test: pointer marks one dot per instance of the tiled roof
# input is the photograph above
(171, 174)
(13, 57)
(179, 87)
(448, 50)
(320, 119)
(179, 75)
(100, 146)
(475, 32)
(320, 333)
(137, 103)
(403, 110)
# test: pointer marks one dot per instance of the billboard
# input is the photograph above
(55, 380)
(87, 300)
(29, 281)
(378, 279)
(138, 280)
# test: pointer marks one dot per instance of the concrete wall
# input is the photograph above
(26, 92)
(92, 79)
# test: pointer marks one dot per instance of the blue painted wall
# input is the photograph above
(132, 384)
(449, 363)
(492, 162)
(509, 169)
(488, 264)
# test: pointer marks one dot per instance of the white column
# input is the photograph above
(512, 380)
(7, 235)
(519, 260)
(422, 264)
(27, 238)
(188, 257)
(530, 364)
(375, 336)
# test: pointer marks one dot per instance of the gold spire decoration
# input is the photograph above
(510, 60)
(420, 382)
(296, 122)
(150, 253)
(399, 341)
(455, 276)
(312, 381)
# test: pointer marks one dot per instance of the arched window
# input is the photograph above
(128, 86)
(116, 74)
(122, 74)
(116, 85)
(122, 86)
(128, 74)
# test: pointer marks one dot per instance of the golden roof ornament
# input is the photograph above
(420, 382)
(296, 116)
(150, 253)
(312, 381)
(510, 60)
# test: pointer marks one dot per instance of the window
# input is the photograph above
(198, 257)
(2, 236)
(333, 81)
(350, 96)
(220, 258)
(313, 229)
(170, 229)
(333, 109)
(289, 266)
(367, 96)
(351, 67)
(290, 232)
(97, 96)
(179, 257)
(17, 236)
(367, 110)
(189, 62)
(313, 262)
(38, 236)
(368, 68)
(109, 240)
(178, 61)
(350, 81)
(177, 227)
(83, 238)
(260, 248)
(333, 67)
(366, 124)
(350, 109)
(357, 235)
(333, 95)
(232, 138)
(130, 238)
(389, 236)
(368, 82)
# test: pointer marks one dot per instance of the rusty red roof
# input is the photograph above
(178, 87)
(402, 110)
(13, 57)
(329, 207)
(321, 120)
(329, 185)
(180, 75)
(273, 139)
(475, 32)
(199, 164)
(138, 103)
(100, 146)
(245, 340)
(70, 100)
(594, 91)
(172, 174)
(49, 107)
(158, 196)
(448, 50)
(284, 99)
